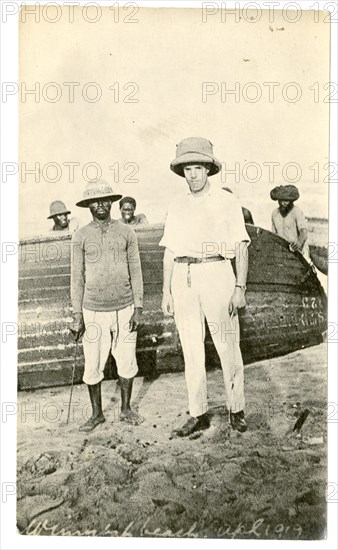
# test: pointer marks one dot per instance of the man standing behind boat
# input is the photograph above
(58, 212)
(128, 216)
(204, 229)
(288, 221)
(107, 298)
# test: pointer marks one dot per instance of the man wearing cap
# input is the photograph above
(59, 213)
(204, 229)
(107, 298)
(288, 221)
(127, 209)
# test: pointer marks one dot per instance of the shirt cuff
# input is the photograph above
(138, 301)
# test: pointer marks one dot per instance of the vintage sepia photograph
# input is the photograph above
(173, 258)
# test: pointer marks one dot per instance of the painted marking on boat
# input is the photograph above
(313, 311)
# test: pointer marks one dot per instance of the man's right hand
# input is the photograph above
(168, 304)
(77, 326)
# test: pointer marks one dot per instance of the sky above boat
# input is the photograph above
(162, 79)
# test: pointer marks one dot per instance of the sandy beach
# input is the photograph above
(121, 480)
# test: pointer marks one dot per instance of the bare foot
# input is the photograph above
(131, 417)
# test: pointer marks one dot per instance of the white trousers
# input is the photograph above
(105, 331)
(212, 285)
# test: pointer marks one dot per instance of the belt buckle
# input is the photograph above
(189, 276)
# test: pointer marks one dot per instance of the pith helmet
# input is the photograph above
(99, 189)
(285, 193)
(56, 208)
(195, 150)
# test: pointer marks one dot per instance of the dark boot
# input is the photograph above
(238, 421)
(194, 424)
(97, 414)
(127, 415)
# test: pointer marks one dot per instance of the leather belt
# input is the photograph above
(191, 260)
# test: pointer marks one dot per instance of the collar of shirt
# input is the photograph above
(208, 194)
(102, 225)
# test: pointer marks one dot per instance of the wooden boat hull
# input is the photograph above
(286, 309)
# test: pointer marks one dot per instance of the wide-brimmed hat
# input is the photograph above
(195, 150)
(56, 208)
(99, 189)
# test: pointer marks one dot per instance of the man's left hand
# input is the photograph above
(135, 319)
(295, 247)
(237, 301)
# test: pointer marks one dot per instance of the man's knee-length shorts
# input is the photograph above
(105, 331)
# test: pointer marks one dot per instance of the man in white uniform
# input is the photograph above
(204, 229)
